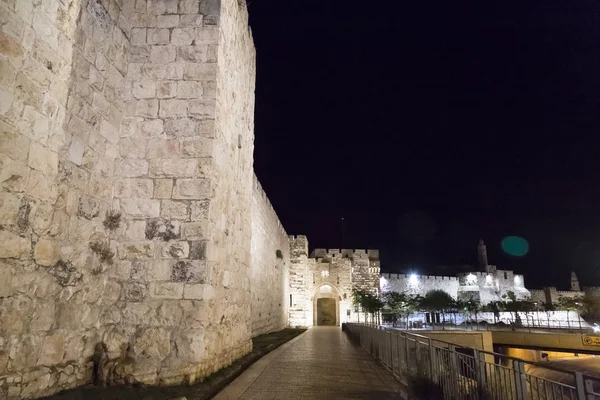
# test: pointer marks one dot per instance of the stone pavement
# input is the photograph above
(321, 363)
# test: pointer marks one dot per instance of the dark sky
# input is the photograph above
(429, 125)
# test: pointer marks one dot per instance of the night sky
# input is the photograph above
(429, 125)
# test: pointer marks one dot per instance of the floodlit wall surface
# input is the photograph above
(127, 198)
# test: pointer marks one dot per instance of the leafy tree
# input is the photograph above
(369, 302)
(394, 303)
(468, 307)
(400, 305)
(571, 304)
(437, 301)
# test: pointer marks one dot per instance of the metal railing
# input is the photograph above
(455, 372)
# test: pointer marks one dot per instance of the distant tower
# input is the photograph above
(575, 283)
(482, 254)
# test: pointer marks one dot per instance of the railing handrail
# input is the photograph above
(454, 345)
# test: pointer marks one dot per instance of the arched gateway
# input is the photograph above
(326, 305)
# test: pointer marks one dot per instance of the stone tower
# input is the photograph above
(575, 283)
(482, 254)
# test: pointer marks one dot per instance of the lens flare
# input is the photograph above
(515, 246)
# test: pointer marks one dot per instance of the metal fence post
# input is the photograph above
(520, 381)
(430, 359)
(480, 373)
(580, 386)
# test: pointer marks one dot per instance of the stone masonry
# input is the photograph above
(133, 234)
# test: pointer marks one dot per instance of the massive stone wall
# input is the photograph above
(269, 272)
(143, 109)
(62, 70)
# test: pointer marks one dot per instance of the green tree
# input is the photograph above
(369, 302)
(395, 304)
(470, 307)
(437, 301)
(571, 304)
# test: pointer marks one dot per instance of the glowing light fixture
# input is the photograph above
(413, 279)
(471, 279)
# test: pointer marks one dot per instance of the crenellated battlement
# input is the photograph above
(391, 276)
(371, 254)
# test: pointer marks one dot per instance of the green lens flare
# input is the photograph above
(515, 246)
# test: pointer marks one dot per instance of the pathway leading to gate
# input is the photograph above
(321, 363)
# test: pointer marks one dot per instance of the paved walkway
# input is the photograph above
(321, 363)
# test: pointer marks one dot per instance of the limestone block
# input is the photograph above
(74, 347)
(42, 159)
(6, 281)
(138, 36)
(132, 147)
(166, 90)
(13, 144)
(191, 20)
(75, 152)
(47, 252)
(24, 351)
(108, 131)
(173, 249)
(192, 189)
(157, 7)
(194, 230)
(147, 208)
(175, 168)
(138, 54)
(163, 54)
(153, 343)
(194, 54)
(9, 208)
(181, 128)
(14, 246)
(201, 108)
(173, 108)
(174, 210)
(157, 36)
(134, 291)
(161, 148)
(186, 271)
(43, 317)
(135, 230)
(159, 270)
(116, 341)
(52, 350)
(189, 7)
(45, 30)
(144, 90)
(199, 210)
(134, 188)
(136, 250)
(197, 250)
(6, 100)
(207, 35)
(167, 21)
(163, 188)
(147, 108)
(198, 292)
(152, 128)
(200, 72)
(132, 168)
(40, 187)
(189, 89)
(183, 36)
(166, 290)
